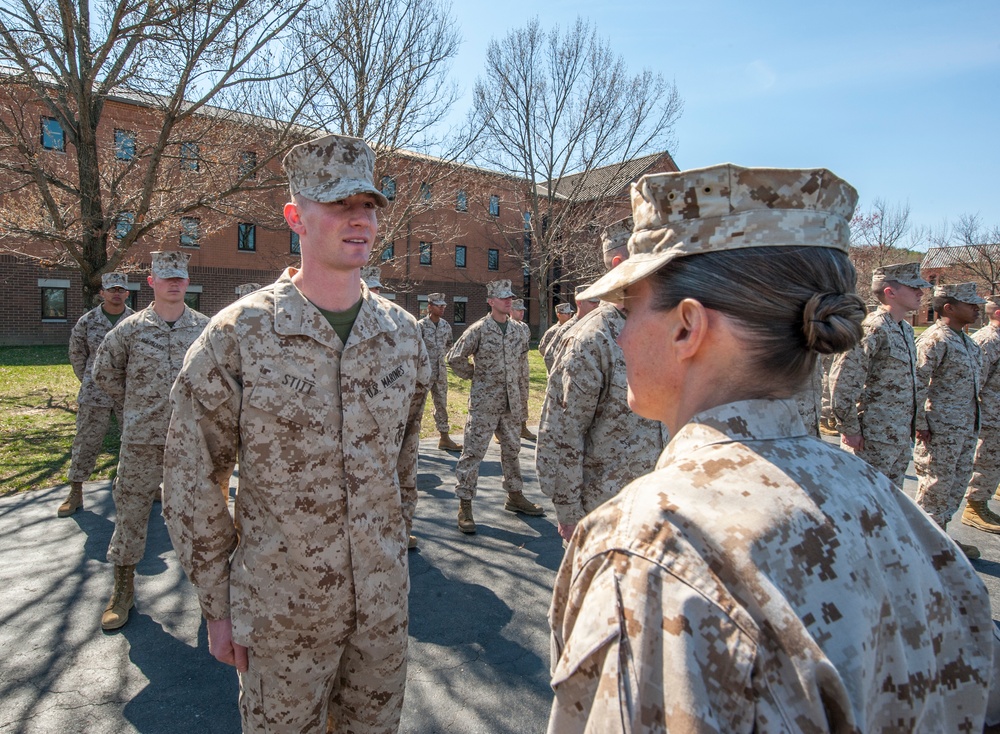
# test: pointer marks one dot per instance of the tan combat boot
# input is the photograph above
(525, 433)
(465, 522)
(122, 599)
(516, 502)
(979, 515)
(411, 543)
(74, 502)
(446, 444)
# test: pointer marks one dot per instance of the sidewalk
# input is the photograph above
(479, 643)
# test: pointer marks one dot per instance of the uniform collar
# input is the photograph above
(742, 421)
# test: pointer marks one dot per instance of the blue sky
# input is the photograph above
(902, 99)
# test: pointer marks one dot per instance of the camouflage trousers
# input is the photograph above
(439, 394)
(92, 423)
(889, 458)
(986, 468)
(348, 685)
(944, 466)
(140, 472)
(479, 429)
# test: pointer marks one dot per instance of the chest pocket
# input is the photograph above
(388, 393)
(293, 399)
(898, 350)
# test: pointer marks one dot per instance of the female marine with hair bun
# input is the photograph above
(759, 579)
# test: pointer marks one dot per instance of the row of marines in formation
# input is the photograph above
(316, 386)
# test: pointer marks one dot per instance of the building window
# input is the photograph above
(494, 206)
(53, 137)
(461, 202)
(192, 299)
(388, 252)
(389, 187)
(421, 306)
(124, 145)
(190, 231)
(248, 164)
(133, 297)
(425, 192)
(53, 302)
(492, 259)
(294, 246)
(123, 224)
(190, 157)
(527, 221)
(459, 312)
(246, 237)
(425, 253)
(460, 256)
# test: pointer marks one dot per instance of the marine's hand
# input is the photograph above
(566, 531)
(855, 442)
(924, 436)
(222, 647)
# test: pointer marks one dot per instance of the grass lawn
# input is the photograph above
(38, 416)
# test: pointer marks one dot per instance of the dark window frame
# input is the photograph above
(492, 259)
(388, 252)
(426, 253)
(64, 294)
(47, 134)
(190, 232)
(389, 187)
(190, 156)
(494, 205)
(246, 237)
(460, 262)
(294, 244)
(248, 164)
(458, 312)
(461, 201)
(126, 143)
(123, 224)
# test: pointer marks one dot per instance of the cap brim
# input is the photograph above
(611, 287)
(169, 273)
(917, 283)
(341, 189)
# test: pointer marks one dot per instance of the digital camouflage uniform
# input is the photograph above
(948, 374)
(555, 341)
(494, 400)
(873, 388)
(137, 363)
(313, 571)
(986, 468)
(809, 400)
(760, 581)
(438, 340)
(590, 444)
(525, 376)
(543, 343)
(94, 406)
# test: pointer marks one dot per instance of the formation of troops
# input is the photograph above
(315, 386)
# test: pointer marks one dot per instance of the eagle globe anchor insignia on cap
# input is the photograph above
(332, 168)
(728, 207)
(904, 273)
(114, 280)
(499, 289)
(370, 275)
(437, 299)
(170, 264)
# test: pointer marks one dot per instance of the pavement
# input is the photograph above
(479, 643)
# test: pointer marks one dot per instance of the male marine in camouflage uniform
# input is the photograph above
(496, 349)
(564, 312)
(316, 386)
(986, 468)
(583, 307)
(371, 276)
(517, 316)
(949, 368)
(94, 406)
(438, 339)
(873, 387)
(590, 444)
(137, 363)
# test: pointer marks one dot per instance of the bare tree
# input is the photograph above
(71, 197)
(876, 237)
(555, 107)
(972, 249)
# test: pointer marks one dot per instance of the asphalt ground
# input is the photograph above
(479, 644)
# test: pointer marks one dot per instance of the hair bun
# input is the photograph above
(831, 322)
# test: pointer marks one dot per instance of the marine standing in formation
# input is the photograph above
(517, 316)
(986, 466)
(583, 307)
(438, 340)
(758, 580)
(94, 406)
(564, 312)
(947, 421)
(590, 444)
(496, 349)
(873, 387)
(136, 364)
(319, 386)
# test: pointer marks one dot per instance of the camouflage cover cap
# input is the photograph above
(905, 273)
(499, 289)
(964, 292)
(564, 308)
(517, 304)
(581, 290)
(170, 264)
(617, 234)
(438, 299)
(246, 289)
(370, 275)
(332, 168)
(114, 280)
(729, 207)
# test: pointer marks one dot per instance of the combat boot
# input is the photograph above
(517, 502)
(971, 552)
(525, 433)
(74, 502)
(411, 543)
(122, 599)
(979, 515)
(465, 522)
(446, 444)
